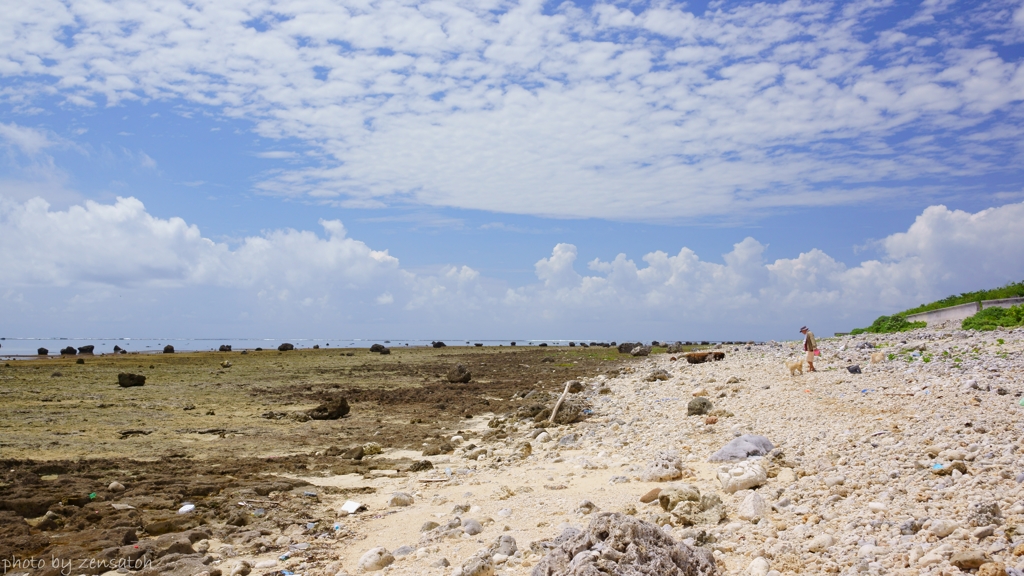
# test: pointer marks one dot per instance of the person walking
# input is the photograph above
(810, 346)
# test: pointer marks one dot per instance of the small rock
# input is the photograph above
(285, 348)
(656, 375)
(994, 569)
(743, 447)
(242, 568)
(116, 486)
(403, 551)
(421, 465)
(506, 545)
(942, 528)
(376, 559)
(758, 567)
(126, 380)
(459, 374)
(786, 476)
(478, 565)
(699, 406)
(331, 410)
(969, 560)
(428, 526)
(472, 527)
(170, 350)
(399, 499)
(354, 453)
(821, 543)
(831, 481)
(876, 507)
(650, 496)
(744, 475)
(752, 507)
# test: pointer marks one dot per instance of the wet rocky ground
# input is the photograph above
(94, 475)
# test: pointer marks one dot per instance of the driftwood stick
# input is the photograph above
(554, 411)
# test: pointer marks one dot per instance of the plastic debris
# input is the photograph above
(351, 506)
(186, 508)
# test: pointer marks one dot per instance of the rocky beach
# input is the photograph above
(911, 464)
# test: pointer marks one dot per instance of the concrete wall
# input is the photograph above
(962, 311)
(1002, 303)
(944, 314)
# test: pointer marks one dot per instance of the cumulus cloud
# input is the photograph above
(94, 255)
(122, 245)
(639, 112)
(943, 252)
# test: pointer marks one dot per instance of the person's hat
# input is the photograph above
(804, 328)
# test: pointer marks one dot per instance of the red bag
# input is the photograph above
(817, 352)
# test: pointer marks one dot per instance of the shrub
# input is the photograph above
(992, 318)
(890, 324)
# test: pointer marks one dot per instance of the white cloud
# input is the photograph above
(644, 113)
(28, 140)
(122, 245)
(104, 257)
(277, 155)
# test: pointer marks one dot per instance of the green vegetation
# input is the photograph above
(889, 324)
(992, 318)
(1011, 290)
(987, 319)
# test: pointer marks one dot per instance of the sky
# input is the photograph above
(498, 170)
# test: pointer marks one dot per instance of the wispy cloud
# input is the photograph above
(277, 155)
(635, 113)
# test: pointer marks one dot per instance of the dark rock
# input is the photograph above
(126, 380)
(285, 347)
(69, 351)
(627, 347)
(316, 346)
(459, 374)
(616, 543)
(168, 349)
(716, 356)
(543, 344)
(80, 361)
(117, 348)
(258, 349)
(698, 406)
(438, 344)
(420, 465)
(385, 351)
(376, 347)
(330, 410)
(42, 351)
(224, 348)
(855, 369)
(87, 349)
(742, 448)
(575, 387)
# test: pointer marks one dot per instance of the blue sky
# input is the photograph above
(403, 169)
